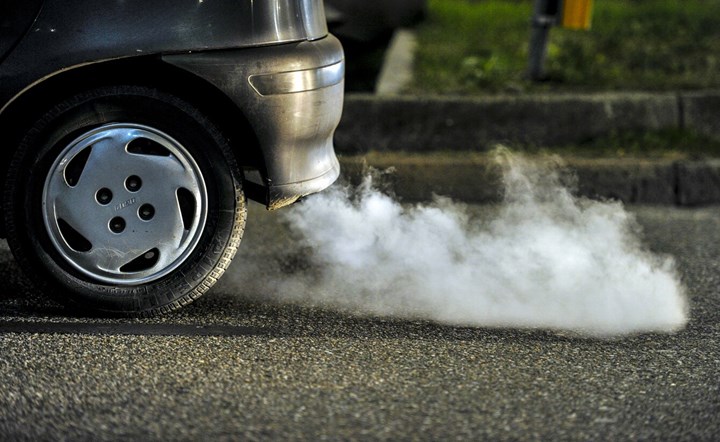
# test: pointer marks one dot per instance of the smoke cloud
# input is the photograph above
(540, 259)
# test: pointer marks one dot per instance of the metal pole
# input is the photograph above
(543, 19)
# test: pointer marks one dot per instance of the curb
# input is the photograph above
(477, 178)
(421, 124)
(397, 68)
(406, 132)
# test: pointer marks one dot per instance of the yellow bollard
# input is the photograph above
(576, 14)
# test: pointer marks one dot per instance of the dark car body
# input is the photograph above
(134, 130)
(270, 58)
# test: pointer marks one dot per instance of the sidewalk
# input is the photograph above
(436, 143)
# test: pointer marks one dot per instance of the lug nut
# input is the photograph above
(133, 183)
(117, 224)
(104, 196)
(146, 212)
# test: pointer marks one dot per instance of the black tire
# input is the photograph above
(213, 220)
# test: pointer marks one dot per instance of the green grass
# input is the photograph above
(480, 47)
(666, 143)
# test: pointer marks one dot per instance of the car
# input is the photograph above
(364, 21)
(134, 131)
(365, 28)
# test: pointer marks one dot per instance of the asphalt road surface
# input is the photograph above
(233, 367)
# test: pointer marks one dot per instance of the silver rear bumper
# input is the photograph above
(292, 96)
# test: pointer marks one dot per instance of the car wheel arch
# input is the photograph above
(148, 71)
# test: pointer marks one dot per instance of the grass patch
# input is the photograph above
(655, 144)
(481, 46)
(674, 143)
(665, 144)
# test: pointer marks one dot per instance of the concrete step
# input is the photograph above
(477, 178)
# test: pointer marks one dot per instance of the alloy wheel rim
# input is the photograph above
(124, 204)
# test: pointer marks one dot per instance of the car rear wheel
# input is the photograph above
(124, 200)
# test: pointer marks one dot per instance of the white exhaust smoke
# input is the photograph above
(543, 259)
